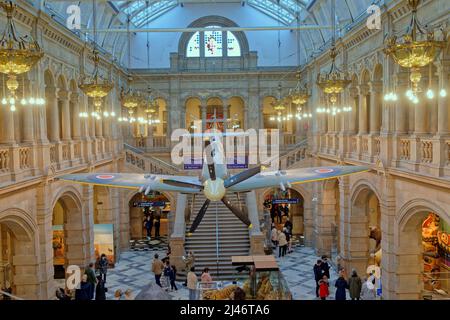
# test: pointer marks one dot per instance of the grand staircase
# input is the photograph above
(219, 236)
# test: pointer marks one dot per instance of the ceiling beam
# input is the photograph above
(232, 29)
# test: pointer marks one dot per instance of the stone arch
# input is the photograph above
(236, 112)
(408, 243)
(78, 247)
(18, 244)
(213, 20)
(134, 227)
(193, 112)
(365, 213)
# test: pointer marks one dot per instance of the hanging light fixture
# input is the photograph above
(18, 54)
(96, 87)
(299, 96)
(414, 50)
(151, 108)
(279, 105)
(335, 81)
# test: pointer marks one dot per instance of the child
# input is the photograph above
(323, 288)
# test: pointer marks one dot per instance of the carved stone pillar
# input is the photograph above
(203, 112)
(363, 92)
(74, 106)
(63, 97)
(7, 125)
(443, 102)
(376, 89)
(28, 119)
(52, 114)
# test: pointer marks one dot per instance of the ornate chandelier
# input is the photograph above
(279, 105)
(96, 87)
(335, 81)
(18, 54)
(413, 50)
(299, 96)
(151, 108)
(131, 100)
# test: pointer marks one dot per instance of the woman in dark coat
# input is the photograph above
(84, 292)
(341, 284)
(100, 290)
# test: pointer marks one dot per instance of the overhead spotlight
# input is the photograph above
(443, 93)
(430, 94)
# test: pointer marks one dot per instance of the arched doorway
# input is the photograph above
(193, 114)
(70, 244)
(277, 200)
(18, 261)
(365, 232)
(157, 206)
(423, 264)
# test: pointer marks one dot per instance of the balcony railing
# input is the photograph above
(4, 160)
(25, 158)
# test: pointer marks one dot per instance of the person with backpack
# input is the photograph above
(318, 275)
(166, 273)
(341, 285)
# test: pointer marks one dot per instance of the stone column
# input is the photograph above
(443, 102)
(325, 217)
(27, 119)
(203, 112)
(355, 105)
(401, 105)
(308, 222)
(376, 89)
(363, 92)
(177, 237)
(99, 128)
(75, 108)
(7, 125)
(64, 101)
(52, 113)
(44, 216)
(388, 247)
(124, 218)
(256, 236)
(420, 118)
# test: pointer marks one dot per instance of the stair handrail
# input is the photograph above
(165, 165)
(10, 295)
(217, 240)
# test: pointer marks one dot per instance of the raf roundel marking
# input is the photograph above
(105, 177)
(323, 170)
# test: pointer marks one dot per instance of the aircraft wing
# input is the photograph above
(295, 176)
(133, 181)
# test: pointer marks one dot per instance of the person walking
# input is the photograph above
(148, 224)
(157, 269)
(355, 285)
(288, 240)
(157, 226)
(341, 284)
(282, 243)
(173, 277)
(274, 236)
(100, 290)
(92, 279)
(279, 214)
(166, 273)
(84, 292)
(318, 274)
(325, 266)
(189, 262)
(273, 212)
(206, 278)
(368, 290)
(324, 291)
(103, 266)
(192, 284)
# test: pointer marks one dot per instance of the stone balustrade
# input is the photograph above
(427, 151)
(25, 160)
(4, 160)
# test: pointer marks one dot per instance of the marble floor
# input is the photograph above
(133, 271)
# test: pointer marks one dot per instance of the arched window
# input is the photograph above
(211, 44)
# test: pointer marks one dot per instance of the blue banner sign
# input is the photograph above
(290, 201)
(146, 204)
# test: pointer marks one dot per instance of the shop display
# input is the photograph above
(104, 242)
(436, 254)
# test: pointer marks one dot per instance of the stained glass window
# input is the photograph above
(213, 43)
(233, 47)
(193, 47)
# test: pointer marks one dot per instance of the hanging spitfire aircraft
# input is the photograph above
(214, 181)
